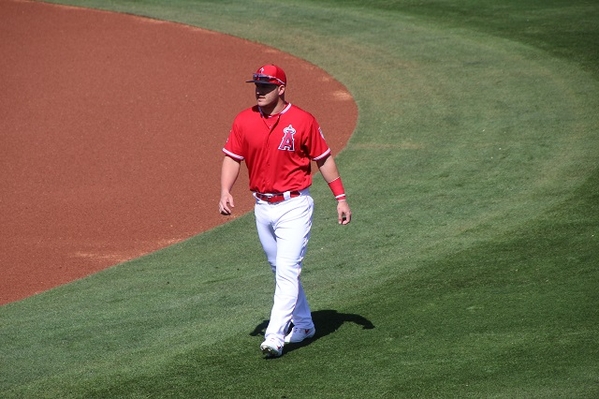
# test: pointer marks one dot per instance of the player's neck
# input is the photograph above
(273, 110)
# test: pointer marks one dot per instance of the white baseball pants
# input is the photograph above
(284, 231)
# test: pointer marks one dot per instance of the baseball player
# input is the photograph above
(278, 142)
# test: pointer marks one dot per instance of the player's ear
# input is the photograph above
(282, 89)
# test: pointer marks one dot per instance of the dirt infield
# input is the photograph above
(110, 134)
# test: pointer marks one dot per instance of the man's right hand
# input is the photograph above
(226, 204)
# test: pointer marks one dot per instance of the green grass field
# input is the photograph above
(470, 270)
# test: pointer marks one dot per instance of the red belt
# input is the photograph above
(273, 198)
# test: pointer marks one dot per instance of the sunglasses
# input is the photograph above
(258, 77)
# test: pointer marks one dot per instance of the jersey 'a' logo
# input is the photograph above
(288, 141)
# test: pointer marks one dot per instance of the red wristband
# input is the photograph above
(336, 187)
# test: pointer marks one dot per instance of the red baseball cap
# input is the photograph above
(269, 74)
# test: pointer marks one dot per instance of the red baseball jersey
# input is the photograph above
(277, 150)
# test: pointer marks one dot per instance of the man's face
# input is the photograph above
(267, 94)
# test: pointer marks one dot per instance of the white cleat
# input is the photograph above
(271, 348)
(298, 334)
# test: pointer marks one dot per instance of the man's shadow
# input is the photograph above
(326, 322)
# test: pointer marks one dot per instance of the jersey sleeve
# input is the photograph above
(318, 147)
(234, 144)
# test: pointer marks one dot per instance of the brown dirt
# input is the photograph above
(111, 129)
